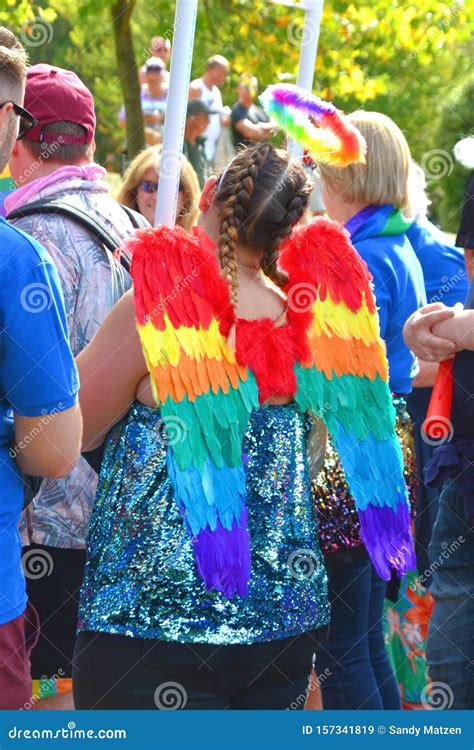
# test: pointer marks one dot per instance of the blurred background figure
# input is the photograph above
(194, 146)
(154, 97)
(249, 122)
(140, 184)
(207, 88)
(159, 47)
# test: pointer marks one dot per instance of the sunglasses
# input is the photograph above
(150, 187)
(27, 121)
(147, 186)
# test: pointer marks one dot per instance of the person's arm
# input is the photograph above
(194, 90)
(427, 344)
(427, 374)
(460, 329)
(252, 132)
(110, 368)
(49, 445)
(122, 116)
(38, 373)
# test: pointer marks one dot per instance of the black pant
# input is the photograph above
(118, 672)
(55, 596)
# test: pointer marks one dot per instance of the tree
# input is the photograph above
(457, 121)
(399, 58)
(121, 11)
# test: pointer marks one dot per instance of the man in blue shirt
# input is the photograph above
(40, 423)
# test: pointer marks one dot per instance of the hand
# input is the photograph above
(421, 340)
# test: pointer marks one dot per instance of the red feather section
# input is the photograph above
(320, 255)
(269, 351)
(182, 280)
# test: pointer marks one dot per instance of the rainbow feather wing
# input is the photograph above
(342, 376)
(184, 316)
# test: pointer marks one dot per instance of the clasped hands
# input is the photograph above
(435, 332)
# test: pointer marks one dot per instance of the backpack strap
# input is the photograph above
(88, 222)
(137, 219)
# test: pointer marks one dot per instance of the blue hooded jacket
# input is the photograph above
(379, 235)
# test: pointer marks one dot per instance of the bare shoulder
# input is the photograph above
(264, 300)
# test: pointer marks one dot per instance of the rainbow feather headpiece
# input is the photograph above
(314, 124)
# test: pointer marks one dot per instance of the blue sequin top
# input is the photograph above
(141, 579)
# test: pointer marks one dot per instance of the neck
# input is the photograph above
(46, 168)
(190, 136)
(208, 80)
(248, 258)
(342, 212)
(155, 89)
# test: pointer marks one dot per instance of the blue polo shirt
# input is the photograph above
(443, 265)
(37, 377)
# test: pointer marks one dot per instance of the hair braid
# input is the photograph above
(292, 214)
(235, 194)
(260, 196)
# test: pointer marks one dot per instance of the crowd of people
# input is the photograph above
(124, 602)
(213, 131)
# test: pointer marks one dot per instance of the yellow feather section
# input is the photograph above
(164, 347)
(331, 318)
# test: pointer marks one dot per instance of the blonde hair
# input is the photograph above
(384, 178)
(189, 184)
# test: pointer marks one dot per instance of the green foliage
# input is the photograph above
(400, 58)
(457, 121)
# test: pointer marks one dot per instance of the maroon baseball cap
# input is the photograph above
(54, 94)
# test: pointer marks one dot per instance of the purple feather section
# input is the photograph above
(289, 95)
(223, 557)
(386, 534)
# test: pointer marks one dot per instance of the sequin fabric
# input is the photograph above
(338, 521)
(141, 578)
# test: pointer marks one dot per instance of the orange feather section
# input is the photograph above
(193, 378)
(331, 354)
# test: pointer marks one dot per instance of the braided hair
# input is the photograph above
(260, 197)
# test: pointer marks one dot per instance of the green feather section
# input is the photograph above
(213, 425)
(360, 405)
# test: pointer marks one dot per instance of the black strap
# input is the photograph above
(137, 219)
(92, 224)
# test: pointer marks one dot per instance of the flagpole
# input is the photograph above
(175, 119)
(308, 52)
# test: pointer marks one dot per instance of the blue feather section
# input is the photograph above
(374, 469)
(211, 495)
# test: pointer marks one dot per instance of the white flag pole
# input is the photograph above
(173, 135)
(308, 52)
(309, 34)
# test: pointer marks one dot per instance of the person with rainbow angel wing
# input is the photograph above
(204, 532)
(339, 371)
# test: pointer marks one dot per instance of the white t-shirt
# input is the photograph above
(213, 99)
